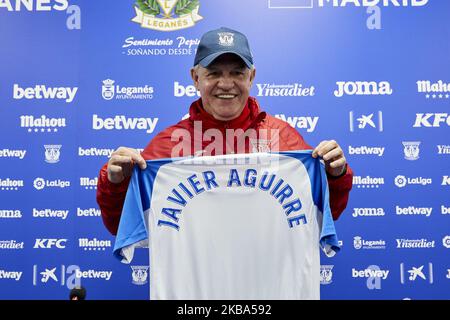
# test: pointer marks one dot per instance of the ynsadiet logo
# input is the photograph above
(113, 91)
(167, 15)
(284, 90)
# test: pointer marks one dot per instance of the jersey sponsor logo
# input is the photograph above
(10, 184)
(13, 275)
(11, 245)
(308, 123)
(445, 181)
(11, 153)
(372, 120)
(431, 120)
(284, 90)
(121, 122)
(89, 183)
(41, 183)
(181, 91)
(34, 5)
(360, 88)
(114, 91)
(50, 213)
(326, 274)
(443, 149)
(10, 214)
(368, 212)
(411, 210)
(42, 124)
(446, 242)
(93, 274)
(41, 91)
(414, 243)
(90, 212)
(434, 90)
(412, 273)
(41, 243)
(411, 149)
(365, 150)
(367, 182)
(401, 181)
(445, 210)
(360, 243)
(167, 15)
(52, 153)
(139, 275)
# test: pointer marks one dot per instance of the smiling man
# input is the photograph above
(225, 120)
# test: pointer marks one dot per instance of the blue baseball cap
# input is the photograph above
(216, 42)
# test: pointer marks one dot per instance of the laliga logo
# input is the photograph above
(175, 15)
(39, 183)
(446, 242)
(400, 181)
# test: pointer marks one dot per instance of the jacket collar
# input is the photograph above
(250, 117)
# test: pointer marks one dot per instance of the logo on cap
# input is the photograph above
(226, 39)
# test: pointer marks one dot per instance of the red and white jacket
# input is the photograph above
(271, 134)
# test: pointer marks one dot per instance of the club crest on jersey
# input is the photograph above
(139, 275)
(260, 145)
(167, 15)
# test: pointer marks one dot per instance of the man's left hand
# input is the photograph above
(333, 156)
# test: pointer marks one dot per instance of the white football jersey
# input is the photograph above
(246, 226)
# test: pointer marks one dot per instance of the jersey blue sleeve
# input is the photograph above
(319, 188)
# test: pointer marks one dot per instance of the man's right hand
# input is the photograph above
(121, 163)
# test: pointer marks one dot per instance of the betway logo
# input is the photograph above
(431, 120)
(181, 91)
(50, 213)
(365, 150)
(362, 88)
(50, 243)
(370, 3)
(91, 212)
(414, 243)
(93, 274)
(94, 152)
(10, 214)
(13, 275)
(42, 92)
(121, 122)
(9, 153)
(93, 244)
(308, 123)
(367, 182)
(369, 273)
(445, 210)
(284, 90)
(368, 212)
(34, 5)
(411, 210)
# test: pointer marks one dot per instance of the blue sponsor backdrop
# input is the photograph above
(374, 79)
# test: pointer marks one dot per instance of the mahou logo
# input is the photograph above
(42, 123)
(167, 15)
